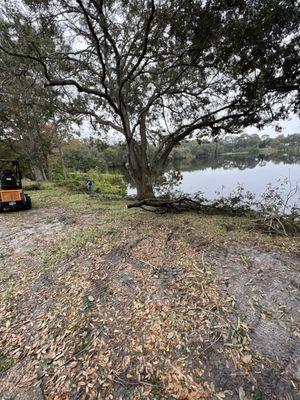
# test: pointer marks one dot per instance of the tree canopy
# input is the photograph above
(159, 72)
(33, 121)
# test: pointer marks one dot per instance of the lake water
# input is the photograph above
(224, 176)
(211, 180)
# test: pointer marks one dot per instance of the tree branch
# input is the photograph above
(145, 46)
(100, 120)
(63, 82)
(96, 42)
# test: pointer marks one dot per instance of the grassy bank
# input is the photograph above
(101, 302)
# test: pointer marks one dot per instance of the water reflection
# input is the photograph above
(241, 162)
(225, 178)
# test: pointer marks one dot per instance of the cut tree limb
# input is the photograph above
(181, 204)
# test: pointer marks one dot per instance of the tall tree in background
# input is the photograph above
(159, 71)
(34, 122)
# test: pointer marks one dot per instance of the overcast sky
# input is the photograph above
(288, 127)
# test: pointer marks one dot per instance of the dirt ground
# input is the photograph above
(98, 302)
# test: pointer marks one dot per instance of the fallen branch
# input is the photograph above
(177, 205)
(274, 223)
(183, 204)
(278, 225)
(167, 203)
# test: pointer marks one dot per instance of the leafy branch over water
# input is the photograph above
(278, 211)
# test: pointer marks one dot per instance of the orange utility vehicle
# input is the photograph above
(11, 192)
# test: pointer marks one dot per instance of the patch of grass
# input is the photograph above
(8, 294)
(61, 197)
(51, 196)
(5, 362)
(214, 228)
(258, 394)
(3, 278)
(156, 388)
(79, 238)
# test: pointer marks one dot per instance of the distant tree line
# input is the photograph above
(93, 153)
(250, 145)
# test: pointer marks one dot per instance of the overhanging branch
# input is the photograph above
(63, 82)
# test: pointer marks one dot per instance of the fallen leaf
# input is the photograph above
(247, 358)
(242, 393)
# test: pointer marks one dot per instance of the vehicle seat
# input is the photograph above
(8, 180)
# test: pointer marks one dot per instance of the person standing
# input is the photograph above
(89, 184)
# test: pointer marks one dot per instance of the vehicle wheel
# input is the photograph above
(27, 204)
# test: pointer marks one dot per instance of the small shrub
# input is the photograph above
(278, 210)
(239, 201)
(32, 186)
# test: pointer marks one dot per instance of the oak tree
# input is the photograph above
(158, 71)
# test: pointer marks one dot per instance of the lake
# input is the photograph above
(224, 180)
(224, 175)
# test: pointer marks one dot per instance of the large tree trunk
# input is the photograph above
(144, 187)
(138, 165)
(140, 171)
